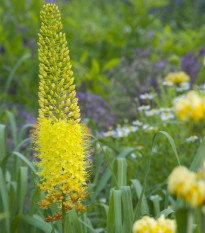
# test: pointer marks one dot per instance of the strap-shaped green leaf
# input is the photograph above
(76, 225)
(120, 172)
(5, 201)
(3, 142)
(23, 158)
(127, 208)
(199, 157)
(171, 141)
(114, 218)
(22, 187)
(35, 220)
(142, 202)
(12, 122)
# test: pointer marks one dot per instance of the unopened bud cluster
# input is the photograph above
(56, 89)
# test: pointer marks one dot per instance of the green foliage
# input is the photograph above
(179, 43)
(186, 13)
(97, 41)
(14, 176)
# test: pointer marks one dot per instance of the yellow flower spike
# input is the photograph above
(60, 140)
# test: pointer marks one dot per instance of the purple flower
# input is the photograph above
(95, 108)
(191, 65)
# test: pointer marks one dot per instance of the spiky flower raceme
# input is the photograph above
(61, 141)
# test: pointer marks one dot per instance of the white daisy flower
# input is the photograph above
(122, 133)
(167, 83)
(138, 123)
(146, 96)
(166, 110)
(110, 133)
(143, 108)
(202, 91)
(123, 129)
(151, 112)
(103, 200)
(201, 87)
(166, 116)
(132, 128)
(183, 87)
(192, 138)
(178, 98)
(150, 128)
(147, 127)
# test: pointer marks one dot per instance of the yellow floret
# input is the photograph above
(150, 225)
(144, 225)
(187, 185)
(165, 225)
(62, 150)
(183, 109)
(198, 113)
(190, 107)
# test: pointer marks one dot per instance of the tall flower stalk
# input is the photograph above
(60, 140)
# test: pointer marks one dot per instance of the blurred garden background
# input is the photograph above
(121, 52)
(119, 49)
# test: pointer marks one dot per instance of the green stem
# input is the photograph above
(63, 215)
(202, 222)
(190, 222)
(202, 215)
